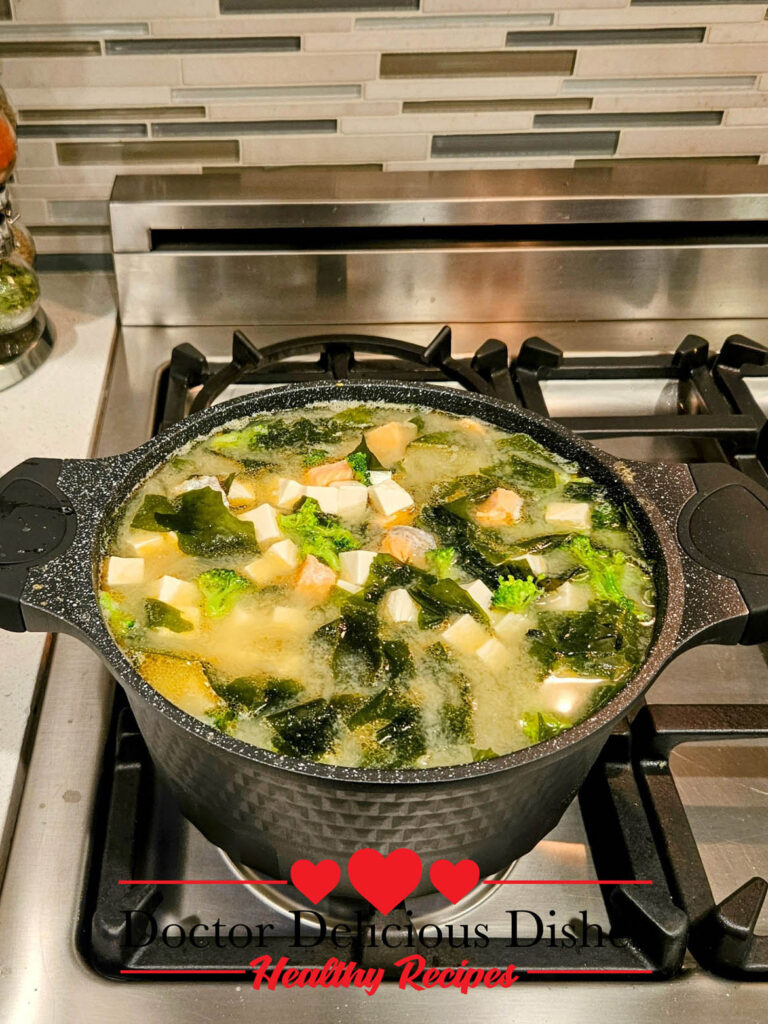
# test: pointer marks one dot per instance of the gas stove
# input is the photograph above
(103, 865)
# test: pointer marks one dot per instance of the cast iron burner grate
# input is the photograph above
(636, 824)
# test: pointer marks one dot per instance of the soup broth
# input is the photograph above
(378, 586)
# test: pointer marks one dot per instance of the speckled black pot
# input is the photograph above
(266, 809)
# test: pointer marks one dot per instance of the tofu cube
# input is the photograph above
(379, 476)
(537, 564)
(264, 520)
(348, 588)
(121, 572)
(326, 497)
(399, 606)
(172, 590)
(288, 492)
(146, 544)
(479, 593)
(284, 554)
(569, 597)
(241, 491)
(389, 497)
(353, 499)
(570, 515)
(355, 566)
(291, 620)
(389, 441)
(198, 483)
(566, 693)
(261, 571)
(466, 634)
(494, 654)
(511, 627)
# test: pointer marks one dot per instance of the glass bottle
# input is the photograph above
(7, 148)
(19, 286)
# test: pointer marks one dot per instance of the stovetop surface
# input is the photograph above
(688, 407)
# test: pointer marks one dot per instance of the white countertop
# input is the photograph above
(52, 414)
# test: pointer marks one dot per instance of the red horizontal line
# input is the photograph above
(568, 881)
(149, 970)
(576, 970)
(197, 881)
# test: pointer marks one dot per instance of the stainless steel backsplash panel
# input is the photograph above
(359, 247)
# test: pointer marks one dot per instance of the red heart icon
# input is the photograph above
(384, 881)
(454, 881)
(315, 881)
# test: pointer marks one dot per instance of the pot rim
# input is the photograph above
(147, 459)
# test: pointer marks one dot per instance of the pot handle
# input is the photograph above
(48, 512)
(719, 519)
(723, 527)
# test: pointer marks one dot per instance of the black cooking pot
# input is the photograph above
(705, 527)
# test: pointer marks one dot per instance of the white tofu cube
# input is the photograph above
(284, 554)
(261, 571)
(466, 634)
(146, 544)
(479, 593)
(537, 564)
(288, 492)
(264, 519)
(389, 497)
(172, 590)
(326, 497)
(566, 694)
(241, 491)
(494, 654)
(355, 566)
(349, 588)
(399, 606)
(198, 483)
(379, 476)
(353, 499)
(291, 620)
(511, 627)
(569, 597)
(121, 572)
(572, 515)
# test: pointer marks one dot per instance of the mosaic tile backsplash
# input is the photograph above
(203, 86)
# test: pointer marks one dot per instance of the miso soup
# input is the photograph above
(378, 586)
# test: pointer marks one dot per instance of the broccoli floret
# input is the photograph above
(314, 457)
(121, 624)
(317, 534)
(440, 562)
(359, 463)
(605, 568)
(223, 718)
(220, 589)
(164, 616)
(515, 595)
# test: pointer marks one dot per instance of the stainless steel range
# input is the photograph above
(626, 304)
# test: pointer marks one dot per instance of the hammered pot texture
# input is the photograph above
(268, 817)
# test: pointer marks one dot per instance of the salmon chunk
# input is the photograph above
(500, 508)
(315, 581)
(330, 473)
(408, 544)
(389, 441)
